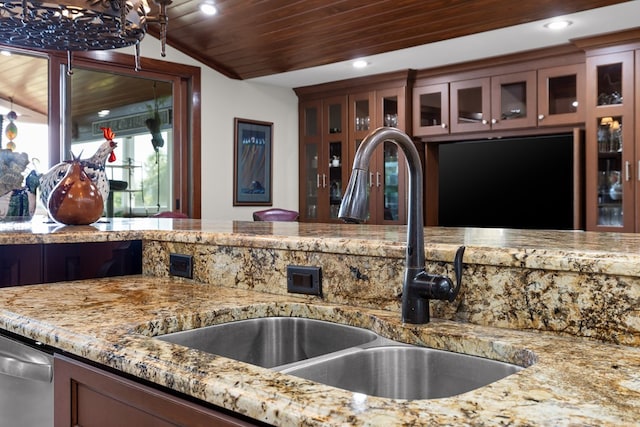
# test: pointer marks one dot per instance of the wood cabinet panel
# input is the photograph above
(20, 264)
(86, 396)
(59, 262)
(89, 260)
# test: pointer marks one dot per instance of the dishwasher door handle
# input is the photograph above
(15, 367)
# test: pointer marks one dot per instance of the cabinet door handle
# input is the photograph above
(370, 179)
(485, 122)
(638, 170)
(494, 121)
(377, 179)
(627, 171)
(317, 180)
(324, 180)
(444, 126)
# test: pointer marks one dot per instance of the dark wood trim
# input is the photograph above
(507, 64)
(494, 134)
(578, 179)
(615, 40)
(363, 84)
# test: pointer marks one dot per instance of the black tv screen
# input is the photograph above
(523, 182)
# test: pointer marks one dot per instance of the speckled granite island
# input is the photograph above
(565, 305)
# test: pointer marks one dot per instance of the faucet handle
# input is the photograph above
(436, 286)
(457, 268)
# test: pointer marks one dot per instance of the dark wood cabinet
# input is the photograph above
(324, 154)
(334, 119)
(518, 94)
(85, 396)
(59, 262)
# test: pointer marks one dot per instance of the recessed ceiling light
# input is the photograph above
(103, 113)
(558, 25)
(208, 8)
(360, 63)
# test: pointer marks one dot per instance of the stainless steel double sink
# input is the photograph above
(346, 357)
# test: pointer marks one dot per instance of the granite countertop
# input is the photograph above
(595, 252)
(568, 380)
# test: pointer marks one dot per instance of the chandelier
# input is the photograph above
(79, 25)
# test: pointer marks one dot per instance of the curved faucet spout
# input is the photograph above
(355, 201)
(415, 299)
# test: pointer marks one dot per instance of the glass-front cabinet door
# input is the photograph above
(431, 110)
(310, 114)
(323, 147)
(610, 148)
(513, 100)
(333, 171)
(470, 105)
(491, 103)
(389, 199)
(561, 96)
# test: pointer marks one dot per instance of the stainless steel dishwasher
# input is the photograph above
(26, 385)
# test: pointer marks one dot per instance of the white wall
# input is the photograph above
(223, 99)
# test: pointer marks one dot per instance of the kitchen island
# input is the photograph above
(581, 368)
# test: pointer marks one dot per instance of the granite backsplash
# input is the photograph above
(573, 301)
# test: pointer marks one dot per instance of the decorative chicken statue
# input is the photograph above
(93, 167)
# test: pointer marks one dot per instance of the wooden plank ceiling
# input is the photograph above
(253, 38)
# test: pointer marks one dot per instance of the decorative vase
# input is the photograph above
(75, 200)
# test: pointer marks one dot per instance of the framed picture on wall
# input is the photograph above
(253, 147)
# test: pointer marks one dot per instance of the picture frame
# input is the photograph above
(252, 163)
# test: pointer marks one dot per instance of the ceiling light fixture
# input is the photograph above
(558, 25)
(360, 63)
(79, 25)
(208, 8)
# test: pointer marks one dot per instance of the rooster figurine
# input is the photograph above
(93, 167)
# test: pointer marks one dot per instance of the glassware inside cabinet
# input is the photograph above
(610, 134)
(610, 194)
(313, 181)
(391, 191)
(610, 84)
(390, 111)
(363, 118)
(335, 178)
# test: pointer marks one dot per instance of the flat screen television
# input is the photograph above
(516, 182)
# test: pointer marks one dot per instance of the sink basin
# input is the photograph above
(272, 341)
(405, 372)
